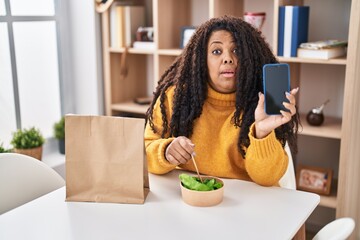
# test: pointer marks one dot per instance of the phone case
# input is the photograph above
(276, 81)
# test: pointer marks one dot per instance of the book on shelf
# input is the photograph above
(124, 22)
(323, 44)
(117, 27)
(144, 45)
(325, 53)
(293, 29)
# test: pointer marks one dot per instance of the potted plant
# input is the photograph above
(28, 142)
(59, 133)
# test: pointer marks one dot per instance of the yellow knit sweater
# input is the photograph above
(215, 139)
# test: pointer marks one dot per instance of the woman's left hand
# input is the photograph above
(264, 123)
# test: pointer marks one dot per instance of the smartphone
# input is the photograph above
(276, 81)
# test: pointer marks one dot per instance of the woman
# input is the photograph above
(209, 104)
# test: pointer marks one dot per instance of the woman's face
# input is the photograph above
(222, 61)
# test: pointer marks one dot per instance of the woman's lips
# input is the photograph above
(228, 73)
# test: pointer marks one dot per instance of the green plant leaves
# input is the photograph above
(59, 129)
(194, 183)
(27, 138)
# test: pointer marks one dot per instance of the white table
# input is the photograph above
(248, 211)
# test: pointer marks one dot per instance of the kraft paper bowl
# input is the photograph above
(203, 198)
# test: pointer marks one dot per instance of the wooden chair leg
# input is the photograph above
(300, 235)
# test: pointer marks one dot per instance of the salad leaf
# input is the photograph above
(217, 185)
(194, 183)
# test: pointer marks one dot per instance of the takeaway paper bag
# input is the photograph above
(105, 159)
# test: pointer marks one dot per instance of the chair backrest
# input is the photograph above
(288, 180)
(24, 178)
(339, 229)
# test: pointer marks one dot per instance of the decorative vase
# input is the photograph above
(316, 116)
(256, 19)
(32, 152)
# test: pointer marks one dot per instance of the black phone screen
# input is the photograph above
(276, 79)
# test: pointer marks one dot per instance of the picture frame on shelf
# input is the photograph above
(314, 179)
(186, 34)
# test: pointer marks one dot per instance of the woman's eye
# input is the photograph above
(216, 52)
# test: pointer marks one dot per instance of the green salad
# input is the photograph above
(194, 183)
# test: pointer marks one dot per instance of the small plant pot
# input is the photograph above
(203, 198)
(62, 146)
(32, 152)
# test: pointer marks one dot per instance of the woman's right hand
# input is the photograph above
(179, 151)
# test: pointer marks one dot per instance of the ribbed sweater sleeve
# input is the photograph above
(266, 160)
(155, 153)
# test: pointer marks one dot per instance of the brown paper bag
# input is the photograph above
(105, 159)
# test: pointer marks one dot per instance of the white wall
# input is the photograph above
(83, 91)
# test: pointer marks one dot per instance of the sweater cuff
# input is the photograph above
(264, 146)
(161, 153)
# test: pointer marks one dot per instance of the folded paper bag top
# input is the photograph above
(105, 159)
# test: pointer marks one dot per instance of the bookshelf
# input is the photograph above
(168, 16)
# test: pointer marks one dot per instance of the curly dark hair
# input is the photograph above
(188, 75)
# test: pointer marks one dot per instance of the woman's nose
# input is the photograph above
(228, 59)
